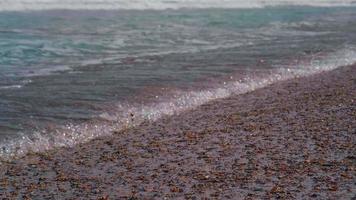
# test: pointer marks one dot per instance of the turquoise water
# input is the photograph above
(61, 69)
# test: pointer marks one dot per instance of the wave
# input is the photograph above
(22, 5)
(122, 116)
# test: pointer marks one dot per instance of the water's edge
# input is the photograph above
(126, 116)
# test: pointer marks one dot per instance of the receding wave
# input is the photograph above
(122, 116)
(20, 5)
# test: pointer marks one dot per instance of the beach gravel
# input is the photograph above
(291, 140)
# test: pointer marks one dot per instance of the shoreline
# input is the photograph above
(291, 139)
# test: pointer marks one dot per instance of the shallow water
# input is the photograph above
(67, 76)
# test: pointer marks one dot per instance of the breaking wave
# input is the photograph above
(21, 5)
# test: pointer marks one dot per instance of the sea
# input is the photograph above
(75, 70)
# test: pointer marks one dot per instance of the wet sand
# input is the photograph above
(291, 140)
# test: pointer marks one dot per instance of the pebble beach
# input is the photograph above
(291, 140)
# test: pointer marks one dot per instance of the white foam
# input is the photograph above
(123, 116)
(10, 87)
(16, 86)
(47, 71)
(20, 5)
